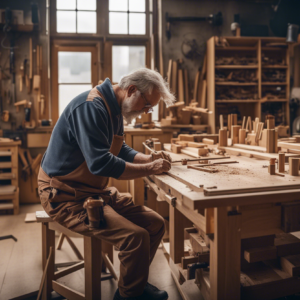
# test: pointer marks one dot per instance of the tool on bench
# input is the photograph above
(203, 169)
(184, 161)
(217, 163)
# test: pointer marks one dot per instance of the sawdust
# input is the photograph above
(228, 170)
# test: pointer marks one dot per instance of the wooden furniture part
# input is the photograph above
(92, 263)
(235, 212)
(294, 166)
(281, 162)
(9, 191)
(242, 77)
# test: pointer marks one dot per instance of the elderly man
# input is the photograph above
(85, 149)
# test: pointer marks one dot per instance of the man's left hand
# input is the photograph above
(161, 154)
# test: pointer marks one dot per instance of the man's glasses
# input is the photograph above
(148, 105)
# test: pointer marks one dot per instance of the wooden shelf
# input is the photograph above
(236, 83)
(5, 153)
(274, 66)
(273, 48)
(235, 48)
(4, 206)
(5, 176)
(276, 100)
(273, 83)
(21, 27)
(236, 66)
(237, 101)
(5, 165)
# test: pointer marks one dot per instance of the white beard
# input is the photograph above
(127, 105)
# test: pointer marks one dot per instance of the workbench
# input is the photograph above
(239, 212)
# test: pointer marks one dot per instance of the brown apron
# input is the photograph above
(72, 189)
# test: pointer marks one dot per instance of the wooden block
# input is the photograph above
(270, 140)
(208, 141)
(165, 122)
(181, 143)
(258, 242)
(223, 138)
(174, 140)
(157, 146)
(291, 264)
(198, 243)
(235, 134)
(194, 259)
(271, 124)
(196, 120)
(294, 166)
(202, 151)
(287, 244)
(186, 116)
(145, 118)
(199, 137)
(281, 162)
(260, 254)
(290, 216)
(276, 141)
(176, 148)
(242, 136)
(229, 124)
(272, 169)
(233, 119)
(196, 145)
(186, 137)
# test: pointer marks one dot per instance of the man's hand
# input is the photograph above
(161, 154)
(160, 166)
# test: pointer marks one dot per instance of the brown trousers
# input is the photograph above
(135, 230)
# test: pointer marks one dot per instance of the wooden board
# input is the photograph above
(247, 176)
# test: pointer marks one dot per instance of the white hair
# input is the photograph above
(145, 80)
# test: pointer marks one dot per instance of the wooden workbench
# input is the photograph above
(238, 203)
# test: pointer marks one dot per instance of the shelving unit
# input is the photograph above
(9, 187)
(264, 59)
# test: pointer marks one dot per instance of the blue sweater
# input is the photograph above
(84, 133)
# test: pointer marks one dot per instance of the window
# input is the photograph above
(126, 59)
(127, 17)
(76, 16)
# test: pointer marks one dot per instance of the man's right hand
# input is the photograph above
(160, 166)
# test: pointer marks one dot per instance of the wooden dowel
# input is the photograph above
(244, 121)
(281, 162)
(221, 122)
(242, 136)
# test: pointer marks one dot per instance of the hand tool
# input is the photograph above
(184, 160)
(217, 163)
(203, 169)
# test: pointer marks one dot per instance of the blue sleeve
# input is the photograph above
(127, 153)
(90, 125)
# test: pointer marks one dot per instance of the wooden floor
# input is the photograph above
(21, 261)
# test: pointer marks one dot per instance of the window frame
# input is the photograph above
(56, 47)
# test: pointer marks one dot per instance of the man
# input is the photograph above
(85, 149)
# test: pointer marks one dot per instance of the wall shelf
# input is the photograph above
(236, 67)
(236, 83)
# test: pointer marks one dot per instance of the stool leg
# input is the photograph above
(108, 249)
(48, 240)
(92, 265)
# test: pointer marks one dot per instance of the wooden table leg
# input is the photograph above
(225, 255)
(92, 265)
(48, 240)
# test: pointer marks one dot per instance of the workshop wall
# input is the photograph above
(250, 13)
(21, 40)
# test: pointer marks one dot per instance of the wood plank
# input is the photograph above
(256, 242)
(260, 254)
(291, 264)
(290, 216)
(186, 260)
(198, 244)
(287, 244)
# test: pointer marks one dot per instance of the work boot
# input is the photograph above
(150, 293)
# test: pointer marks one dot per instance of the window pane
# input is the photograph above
(86, 4)
(150, 5)
(137, 5)
(137, 23)
(66, 4)
(66, 21)
(126, 59)
(118, 5)
(86, 22)
(71, 72)
(118, 23)
(68, 92)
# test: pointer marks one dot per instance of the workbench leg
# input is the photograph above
(137, 191)
(48, 240)
(225, 255)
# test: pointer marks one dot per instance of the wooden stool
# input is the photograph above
(92, 264)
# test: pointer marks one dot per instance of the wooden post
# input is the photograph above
(281, 162)
(270, 140)
(48, 240)
(223, 138)
(294, 166)
(271, 167)
(92, 266)
(233, 119)
(221, 122)
(242, 136)
(229, 124)
(276, 141)
(225, 255)
(235, 134)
